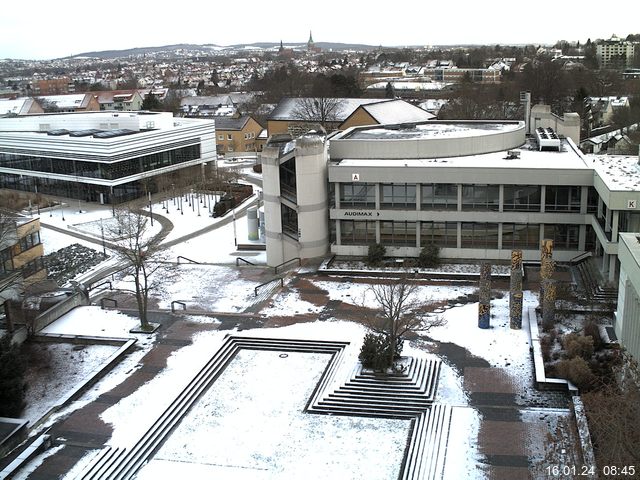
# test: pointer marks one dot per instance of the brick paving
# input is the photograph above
(509, 441)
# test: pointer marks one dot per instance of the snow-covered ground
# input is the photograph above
(265, 416)
(55, 369)
(93, 321)
(500, 345)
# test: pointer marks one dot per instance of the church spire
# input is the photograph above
(310, 42)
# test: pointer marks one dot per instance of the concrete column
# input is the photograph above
(584, 198)
(612, 268)
(378, 195)
(418, 236)
(459, 235)
(543, 197)
(515, 290)
(582, 237)
(547, 267)
(377, 231)
(607, 221)
(501, 198)
(459, 197)
(484, 306)
(418, 197)
(600, 205)
(338, 232)
(500, 236)
(336, 192)
(615, 218)
(549, 304)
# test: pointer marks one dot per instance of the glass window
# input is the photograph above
(441, 234)
(398, 233)
(520, 235)
(398, 196)
(562, 199)
(289, 221)
(480, 197)
(522, 198)
(565, 237)
(288, 179)
(439, 196)
(357, 195)
(479, 235)
(356, 232)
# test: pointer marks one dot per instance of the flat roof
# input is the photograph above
(435, 129)
(529, 158)
(618, 172)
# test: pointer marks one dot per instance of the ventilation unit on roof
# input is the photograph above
(513, 154)
(547, 139)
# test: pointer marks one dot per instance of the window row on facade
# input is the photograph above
(472, 197)
(459, 234)
(107, 171)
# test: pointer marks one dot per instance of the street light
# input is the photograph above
(104, 249)
(235, 238)
(150, 209)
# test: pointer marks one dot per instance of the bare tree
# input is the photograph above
(138, 249)
(400, 311)
(320, 109)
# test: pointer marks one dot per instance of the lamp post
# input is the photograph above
(104, 249)
(150, 209)
(235, 238)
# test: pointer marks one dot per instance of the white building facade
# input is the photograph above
(100, 156)
(475, 189)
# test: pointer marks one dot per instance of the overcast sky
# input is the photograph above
(44, 29)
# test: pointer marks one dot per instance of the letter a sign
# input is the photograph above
(355, 177)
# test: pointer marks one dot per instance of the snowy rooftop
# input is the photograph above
(618, 172)
(432, 130)
(397, 111)
(410, 86)
(529, 157)
(286, 108)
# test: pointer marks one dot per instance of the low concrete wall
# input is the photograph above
(59, 309)
(542, 381)
(17, 435)
(94, 376)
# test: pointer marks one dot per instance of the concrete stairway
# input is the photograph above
(122, 462)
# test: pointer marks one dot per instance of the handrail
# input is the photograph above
(255, 290)
(287, 261)
(239, 259)
(173, 308)
(105, 299)
(187, 259)
(582, 256)
(107, 282)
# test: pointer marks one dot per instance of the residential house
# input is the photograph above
(19, 106)
(21, 252)
(385, 112)
(298, 115)
(236, 135)
(122, 100)
(80, 102)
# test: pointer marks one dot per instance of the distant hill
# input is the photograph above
(212, 48)
(323, 45)
(144, 50)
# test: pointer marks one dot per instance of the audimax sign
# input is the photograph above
(360, 213)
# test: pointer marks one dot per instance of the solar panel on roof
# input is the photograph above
(83, 133)
(58, 132)
(114, 133)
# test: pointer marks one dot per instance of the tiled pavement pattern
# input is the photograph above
(517, 424)
(83, 430)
